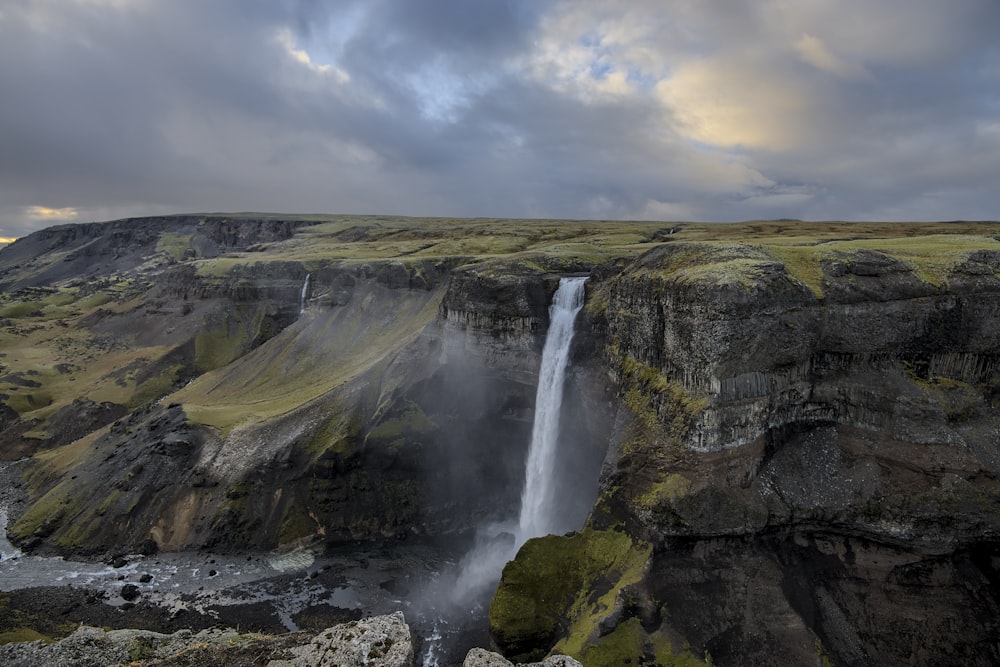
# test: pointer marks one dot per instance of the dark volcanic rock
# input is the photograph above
(807, 467)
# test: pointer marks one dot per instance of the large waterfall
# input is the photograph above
(460, 597)
(537, 497)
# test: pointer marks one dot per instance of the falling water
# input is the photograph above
(536, 500)
(460, 598)
(304, 295)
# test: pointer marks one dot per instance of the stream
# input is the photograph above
(294, 590)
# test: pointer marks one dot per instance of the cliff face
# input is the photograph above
(810, 466)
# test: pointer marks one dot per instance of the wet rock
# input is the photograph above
(129, 592)
(148, 547)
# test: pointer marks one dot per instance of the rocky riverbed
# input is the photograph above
(303, 590)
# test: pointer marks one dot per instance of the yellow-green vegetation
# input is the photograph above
(336, 434)
(51, 511)
(720, 263)
(628, 644)
(49, 465)
(174, 245)
(958, 399)
(216, 346)
(395, 431)
(824, 657)
(672, 487)
(664, 653)
(24, 635)
(365, 238)
(734, 254)
(38, 331)
(49, 360)
(564, 586)
(315, 356)
(646, 388)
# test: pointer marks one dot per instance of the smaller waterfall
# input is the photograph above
(304, 295)
(537, 499)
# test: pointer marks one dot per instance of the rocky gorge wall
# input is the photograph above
(397, 403)
(807, 469)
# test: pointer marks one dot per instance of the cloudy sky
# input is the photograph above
(660, 109)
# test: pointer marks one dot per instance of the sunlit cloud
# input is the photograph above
(50, 214)
(813, 51)
(732, 102)
(301, 56)
(4, 240)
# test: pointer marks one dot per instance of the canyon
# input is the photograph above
(779, 442)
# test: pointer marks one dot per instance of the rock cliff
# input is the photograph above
(810, 455)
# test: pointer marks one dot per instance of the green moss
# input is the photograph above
(93, 301)
(173, 244)
(24, 635)
(673, 487)
(563, 586)
(743, 272)
(19, 309)
(803, 263)
(214, 348)
(24, 402)
(54, 509)
(663, 653)
(665, 408)
(824, 657)
(336, 434)
(625, 645)
(395, 431)
(304, 363)
(958, 399)
(156, 386)
(628, 644)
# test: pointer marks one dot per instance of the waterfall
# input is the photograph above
(304, 295)
(496, 544)
(536, 499)
(460, 598)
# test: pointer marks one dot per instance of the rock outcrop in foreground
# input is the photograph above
(382, 641)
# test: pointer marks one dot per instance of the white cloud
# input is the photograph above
(814, 51)
(737, 102)
(285, 38)
(655, 209)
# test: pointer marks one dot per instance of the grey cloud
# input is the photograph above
(181, 106)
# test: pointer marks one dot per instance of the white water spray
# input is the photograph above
(537, 498)
(304, 295)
